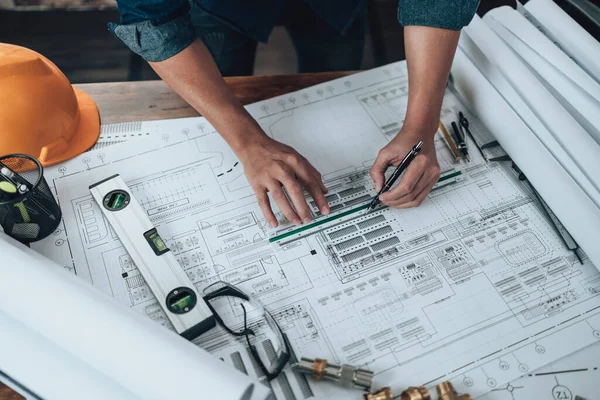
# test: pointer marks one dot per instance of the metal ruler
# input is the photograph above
(560, 228)
(287, 234)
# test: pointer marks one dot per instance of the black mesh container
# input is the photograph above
(28, 211)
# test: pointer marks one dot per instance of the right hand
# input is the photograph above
(271, 166)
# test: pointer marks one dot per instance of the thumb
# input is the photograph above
(378, 171)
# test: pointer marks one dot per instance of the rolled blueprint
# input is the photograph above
(537, 42)
(566, 32)
(571, 86)
(62, 339)
(562, 193)
(559, 132)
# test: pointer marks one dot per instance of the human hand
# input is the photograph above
(271, 166)
(418, 179)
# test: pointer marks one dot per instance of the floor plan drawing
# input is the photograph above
(473, 286)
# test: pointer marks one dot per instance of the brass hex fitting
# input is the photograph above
(416, 393)
(382, 394)
(446, 391)
(318, 369)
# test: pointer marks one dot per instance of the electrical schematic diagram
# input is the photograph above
(473, 286)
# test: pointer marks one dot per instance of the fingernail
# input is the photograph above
(325, 210)
(273, 224)
(296, 221)
(306, 220)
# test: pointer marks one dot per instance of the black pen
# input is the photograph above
(460, 142)
(464, 123)
(397, 172)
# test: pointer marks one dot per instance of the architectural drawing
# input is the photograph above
(575, 375)
(473, 286)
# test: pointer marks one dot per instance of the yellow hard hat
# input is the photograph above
(41, 114)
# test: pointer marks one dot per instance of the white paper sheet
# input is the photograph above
(549, 18)
(444, 291)
(577, 92)
(70, 331)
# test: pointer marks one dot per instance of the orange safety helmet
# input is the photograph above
(41, 114)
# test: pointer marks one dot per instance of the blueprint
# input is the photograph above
(473, 286)
(575, 375)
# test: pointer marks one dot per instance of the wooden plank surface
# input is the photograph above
(151, 100)
(7, 393)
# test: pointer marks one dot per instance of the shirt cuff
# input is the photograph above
(156, 41)
(446, 14)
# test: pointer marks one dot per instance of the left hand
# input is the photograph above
(420, 176)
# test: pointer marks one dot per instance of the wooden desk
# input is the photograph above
(7, 393)
(149, 100)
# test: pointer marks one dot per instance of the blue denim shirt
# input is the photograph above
(159, 29)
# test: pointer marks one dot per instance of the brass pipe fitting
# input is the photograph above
(346, 375)
(416, 393)
(381, 394)
(446, 391)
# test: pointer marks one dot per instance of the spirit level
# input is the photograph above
(176, 294)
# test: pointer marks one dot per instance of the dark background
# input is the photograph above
(77, 40)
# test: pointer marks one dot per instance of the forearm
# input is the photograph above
(193, 74)
(429, 55)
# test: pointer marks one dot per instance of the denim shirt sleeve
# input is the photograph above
(156, 29)
(447, 14)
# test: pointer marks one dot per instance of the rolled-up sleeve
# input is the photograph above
(447, 14)
(156, 30)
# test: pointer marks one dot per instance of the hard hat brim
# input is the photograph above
(87, 133)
